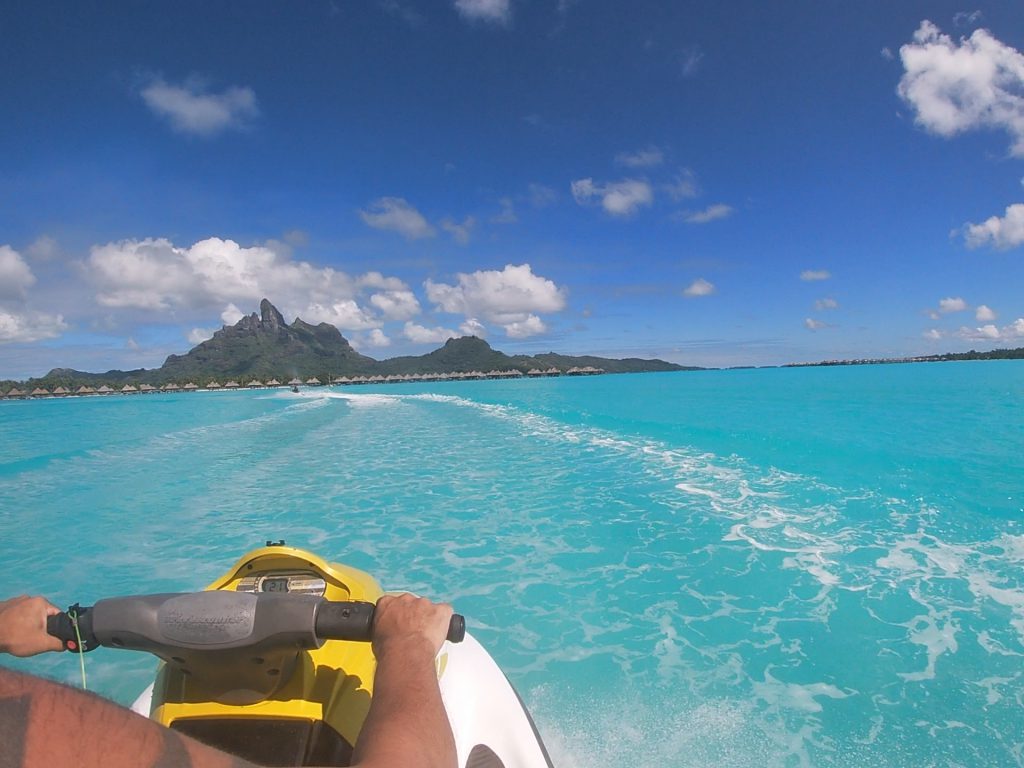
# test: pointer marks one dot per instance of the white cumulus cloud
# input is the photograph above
(699, 287)
(957, 86)
(473, 327)
(199, 335)
(396, 305)
(507, 297)
(1002, 233)
(419, 334)
(397, 215)
(493, 11)
(813, 275)
(618, 198)
(15, 274)
(1014, 332)
(523, 329)
(711, 213)
(377, 338)
(191, 109)
(932, 334)
(952, 304)
(983, 314)
(344, 313)
(156, 275)
(231, 314)
(26, 326)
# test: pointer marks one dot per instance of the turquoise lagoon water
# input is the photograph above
(810, 567)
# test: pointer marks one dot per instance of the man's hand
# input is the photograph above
(409, 625)
(23, 626)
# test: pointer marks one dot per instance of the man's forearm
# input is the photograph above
(44, 724)
(407, 724)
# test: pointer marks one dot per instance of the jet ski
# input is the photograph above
(272, 663)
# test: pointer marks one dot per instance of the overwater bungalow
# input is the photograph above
(296, 382)
(172, 387)
(190, 387)
(273, 383)
(231, 385)
(213, 385)
(61, 392)
(85, 390)
(104, 390)
(39, 392)
(129, 389)
(313, 381)
(146, 388)
(256, 384)
(15, 392)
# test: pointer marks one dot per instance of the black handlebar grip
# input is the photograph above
(457, 628)
(62, 627)
(353, 620)
(350, 620)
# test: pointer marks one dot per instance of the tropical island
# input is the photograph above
(262, 350)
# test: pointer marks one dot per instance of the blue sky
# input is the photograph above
(708, 183)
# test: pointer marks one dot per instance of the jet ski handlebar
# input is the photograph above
(185, 624)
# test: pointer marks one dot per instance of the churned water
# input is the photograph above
(794, 567)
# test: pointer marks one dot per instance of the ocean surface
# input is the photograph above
(791, 567)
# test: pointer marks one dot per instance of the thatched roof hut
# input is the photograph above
(15, 392)
(61, 392)
(213, 385)
(256, 384)
(104, 390)
(190, 387)
(313, 381)
(295, 382)
(129, 389)
(273, 383)
(147, 388)
(40, 392)
(231, 385)
(85, 390)
(172, 387)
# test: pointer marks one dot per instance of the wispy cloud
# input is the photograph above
(459, 232)
(813, 275)
(690, 58)
(699, 287)
(397, 215)
(650, 157)
(709, 214)
(825, 304)
(618, 198)
(492, 11)
(191, 109)
(684, 186)
(815, 325)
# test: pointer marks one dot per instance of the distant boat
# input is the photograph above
(295, 389)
